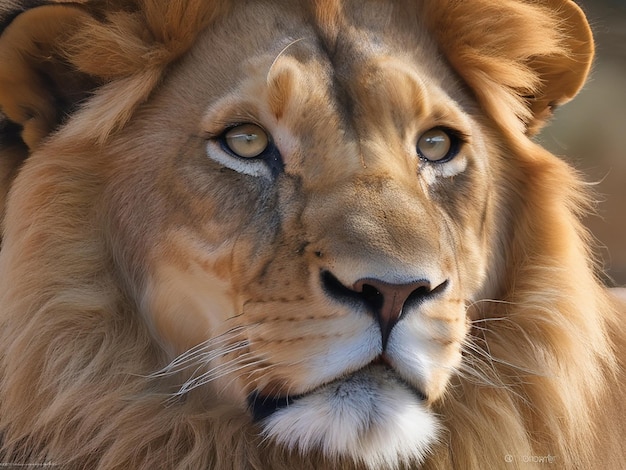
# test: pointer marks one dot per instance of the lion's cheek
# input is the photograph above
(185, 307)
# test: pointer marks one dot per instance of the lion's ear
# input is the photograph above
(38, 85)
(563, 74)
(520, 58)
(114, 53)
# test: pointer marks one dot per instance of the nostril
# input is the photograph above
(372, 297)
(366, 294)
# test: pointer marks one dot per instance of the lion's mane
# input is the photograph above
(541, 368)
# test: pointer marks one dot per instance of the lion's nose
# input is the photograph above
(387, 301)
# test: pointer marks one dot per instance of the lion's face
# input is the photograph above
(303, 217)
(321, 225)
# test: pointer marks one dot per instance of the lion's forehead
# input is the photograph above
(339, 95)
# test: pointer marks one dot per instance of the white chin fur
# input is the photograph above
(370, 417)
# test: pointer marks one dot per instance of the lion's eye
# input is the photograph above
(246, 148)
(437, 145)
(246, 140)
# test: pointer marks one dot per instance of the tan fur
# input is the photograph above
(124, 246)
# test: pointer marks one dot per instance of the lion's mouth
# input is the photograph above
(263, 406)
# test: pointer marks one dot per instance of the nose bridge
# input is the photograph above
(373, 226)
(385, 155)
(396, 211)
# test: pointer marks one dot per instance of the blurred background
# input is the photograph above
(590, 133)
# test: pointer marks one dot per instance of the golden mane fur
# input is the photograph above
(80, 86)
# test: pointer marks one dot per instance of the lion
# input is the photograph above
(281, 234)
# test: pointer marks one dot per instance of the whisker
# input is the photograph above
(283, 50)
(491, 301)
(215, 373)
(202, 353)
(488, 319)
(480, 365)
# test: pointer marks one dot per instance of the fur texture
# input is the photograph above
(158, 291)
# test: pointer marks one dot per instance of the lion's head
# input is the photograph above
(280, 234)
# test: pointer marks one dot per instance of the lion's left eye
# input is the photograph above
(438, 145)
(246, 148)
(246, 140)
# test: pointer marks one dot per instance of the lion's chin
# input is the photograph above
(371, 416)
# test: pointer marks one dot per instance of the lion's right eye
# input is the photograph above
(247, 140)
